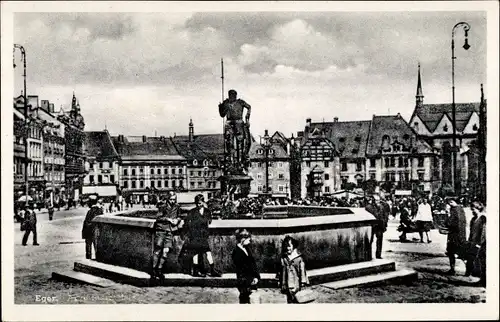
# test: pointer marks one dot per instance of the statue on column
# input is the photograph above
(237, 138)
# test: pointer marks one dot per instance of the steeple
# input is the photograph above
(419, 98)
(73, 102)
(191, 130)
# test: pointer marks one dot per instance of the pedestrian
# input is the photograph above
(476, 238)
(197, 231)
(406, 225)
(165, 224)
(380, 226)
(456, 224)
(50, 209)
(424, 221)
(247, 274)
(88, 230)
(145, 201)
(292, 275)
(29, 224)
(120, 203)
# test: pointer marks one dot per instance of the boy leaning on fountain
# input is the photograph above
(166, 223)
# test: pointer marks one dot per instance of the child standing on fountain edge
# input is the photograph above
(292, 276)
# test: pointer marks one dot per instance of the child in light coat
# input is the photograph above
(292, 276)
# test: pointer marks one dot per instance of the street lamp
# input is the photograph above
(466, 46)
(266, 144)
(23, 58)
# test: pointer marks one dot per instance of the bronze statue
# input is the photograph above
(237, 138)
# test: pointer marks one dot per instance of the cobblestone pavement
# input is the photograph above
(61, 245)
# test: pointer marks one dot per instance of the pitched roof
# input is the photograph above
(398, 130)
(189, 150)
(210, 143)
(431, 114)
(99, 145)
(277, 147)
(350, 138)
(156, 147)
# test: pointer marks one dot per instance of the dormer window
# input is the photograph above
(406, 136)
(357, 139)
(474, 127)
(445, 128)
(271, 151)
(205, 163)
(195, 162)
(260, 151)
(342, 140)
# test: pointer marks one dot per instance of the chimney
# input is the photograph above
(191, 130)
(51, 108)
(144, 139)
(335, 119)
(307, 128)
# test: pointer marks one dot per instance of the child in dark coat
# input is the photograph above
(247, 273)
(292, 276)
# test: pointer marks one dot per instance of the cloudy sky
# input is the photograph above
(141, 72)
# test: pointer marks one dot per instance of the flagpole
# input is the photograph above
(223, 130)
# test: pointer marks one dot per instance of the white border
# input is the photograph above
(359, 312)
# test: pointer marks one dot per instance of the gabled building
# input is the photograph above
(277, 162)
(203, 154)
(397, 157)
(74, 138)
(103, 162)
(149, 163)
(434, 123)
(20, 134)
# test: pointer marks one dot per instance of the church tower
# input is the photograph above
(419, 98)
(191, 130)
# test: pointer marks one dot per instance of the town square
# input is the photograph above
(185, 156)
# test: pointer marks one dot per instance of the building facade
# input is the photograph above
(103, 162)
(434, 124)
(277, 162)
(19, 153)
(149, 163)
(203, 154)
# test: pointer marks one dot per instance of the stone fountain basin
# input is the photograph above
(327, 237)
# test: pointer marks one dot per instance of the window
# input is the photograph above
(474, 127)
(327, 176)
(373, 175)
(259, 188)
(200, 184)
(141, 184)
(281, 176)
(343, 166)
(180, 171)
(344, 179)
(181, 183)
(141, 170)
(280, 164)
(342, 140)
(308, 163)
(112, 178)
(281, 189)
(191, 173)
(133, 185)
(445, 128)
(405, 163)
(199, 173)
(166, 183)
(133, 172)
(152, 184)
(270, 163)
(359, 166)
(401, 162)
(195, 162)
(327, 164)
(91, 179)
(125, 172)
(165, 171)
(270, 175)
(125, 184)
(191, 184)
(372, 163)
(152, 171)
(271, 151)
(99, 178)
(260, 151)
(159, 183)
(205, 162)
(100, 165)
(158, 171)
(259, 175)
(420, 161)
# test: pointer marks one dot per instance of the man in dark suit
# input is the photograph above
(247, 273)
(29, 224)
(197, 231)
(88, 226)
(456, 223)
(377, 209)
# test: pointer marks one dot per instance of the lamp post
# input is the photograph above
(266, 144)
(466, 46)
(26, 160)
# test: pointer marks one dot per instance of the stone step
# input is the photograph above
(399, 276)
(83, 278)
(342, 272)
(316, 276)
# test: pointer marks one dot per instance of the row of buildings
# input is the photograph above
(323, 159)
(49, 156)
